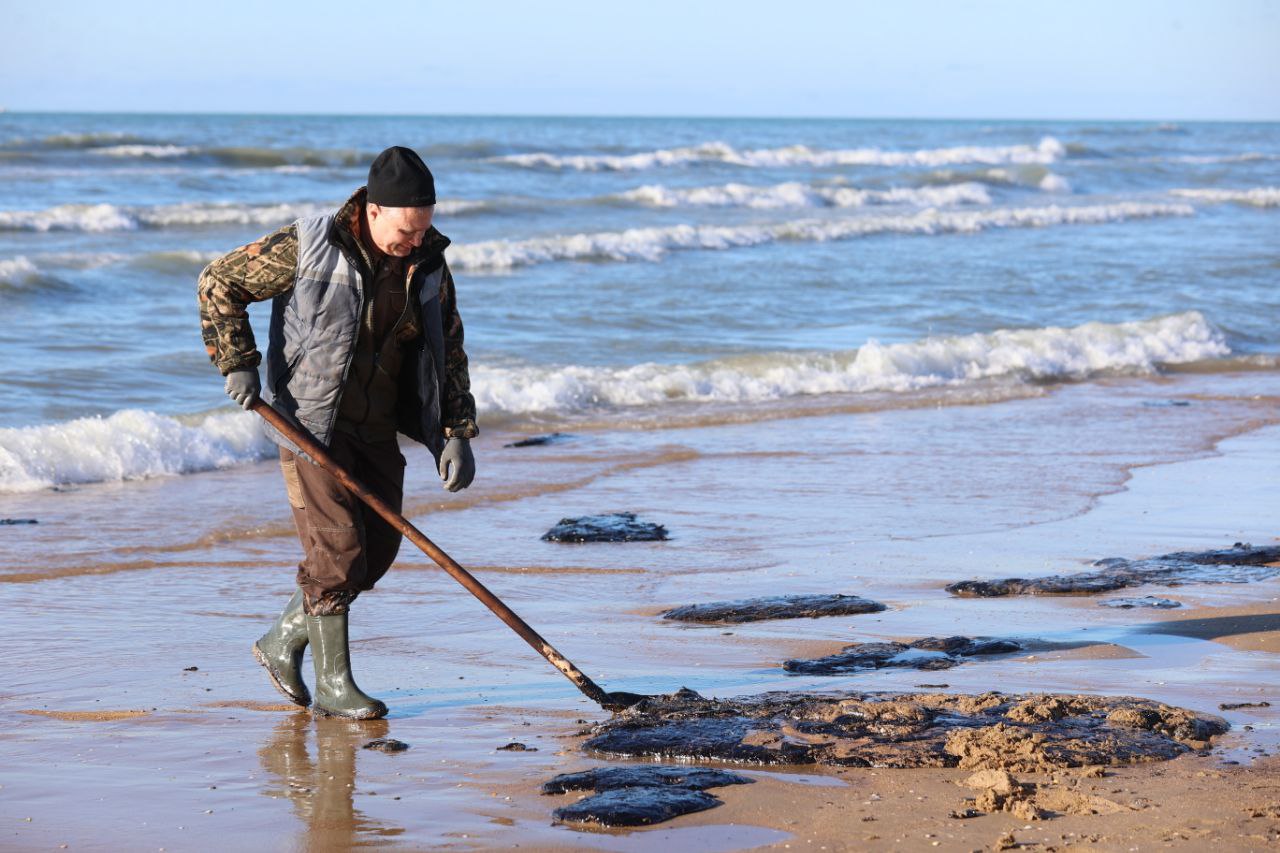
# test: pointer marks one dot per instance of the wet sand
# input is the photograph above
(111, 741)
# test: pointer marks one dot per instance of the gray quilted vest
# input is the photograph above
(314, 326)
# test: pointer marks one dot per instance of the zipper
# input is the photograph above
(408, 302)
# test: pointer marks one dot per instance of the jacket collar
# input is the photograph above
(344, 230)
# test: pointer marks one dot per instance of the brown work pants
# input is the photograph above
(347, 547)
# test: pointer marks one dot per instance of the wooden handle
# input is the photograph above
(321, 457)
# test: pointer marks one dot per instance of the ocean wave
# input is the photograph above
(21, 275)
(35, 272)
(1052, 183)
(16, 269)
(78, 141)
(462, 206)
(1048, 150)
(651, 244)
(475, 148)
(142, 151)
(130, 147)
(175, 262)
(261, 157)
(129, 445)
(136, 444)
(1257, 196)
(1029, 175)
(25, 276)
(1020, 356)
(1126, 129)
(1209, 159)
(68, 217)
(795, 194)
(109, 217)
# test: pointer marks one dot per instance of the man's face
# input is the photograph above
(398, 230)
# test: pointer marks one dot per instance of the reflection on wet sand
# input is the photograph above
(322, 790)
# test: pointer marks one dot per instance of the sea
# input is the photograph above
(623, 270)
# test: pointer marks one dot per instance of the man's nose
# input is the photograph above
(417, 240)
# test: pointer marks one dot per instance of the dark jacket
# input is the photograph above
(315, 272)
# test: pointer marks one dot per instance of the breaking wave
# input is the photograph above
(1048, 150)
(23, 275)
(135, 444)
(796, 194)
(1028, 175)
(636, 244)
(80, 141)
(1052, 183)
(20, 275)
(142, 150)
(109, 217)
(13, 270)
(1257, 197)
(129, 445)
(651, 244)
(259, 157)
(130, 146)
(1021, 355)
(67, 217)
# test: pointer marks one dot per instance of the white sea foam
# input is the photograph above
(68, 217)
(15, 272)
(1048, 150)
(195, 214)
(128, 445)
(453, 207)
(1257, 196)
(795, 194)
(109, 217)
(1022, 355)
(651, 244)
(134, 444)
(157, 151)
(1052, 183)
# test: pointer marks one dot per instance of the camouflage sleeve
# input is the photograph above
(458, 411)
(252, 273)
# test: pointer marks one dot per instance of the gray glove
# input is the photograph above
(457, 465)
(243, 386)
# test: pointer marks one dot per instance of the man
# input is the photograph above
(365, 342)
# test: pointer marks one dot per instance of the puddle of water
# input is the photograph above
(807, 779)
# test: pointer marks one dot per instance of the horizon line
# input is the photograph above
(631, 116)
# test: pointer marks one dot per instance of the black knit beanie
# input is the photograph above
(399, 178)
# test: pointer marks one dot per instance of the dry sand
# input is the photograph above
(1192, 803)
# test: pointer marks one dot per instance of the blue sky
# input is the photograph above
(1143, 59)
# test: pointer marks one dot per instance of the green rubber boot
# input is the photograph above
(280, 651)
(336, 692)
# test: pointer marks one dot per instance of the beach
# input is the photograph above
(112, 742)
(970, 371)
